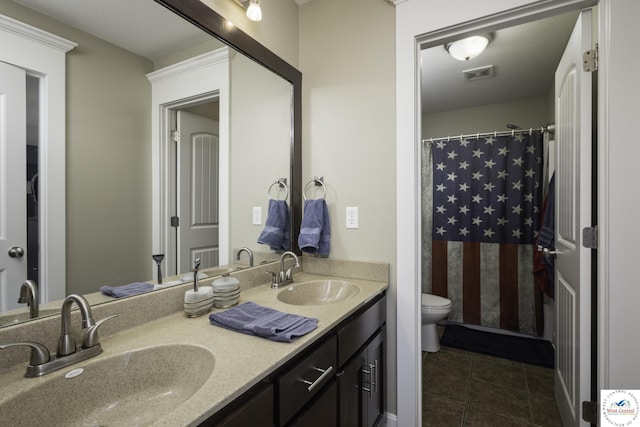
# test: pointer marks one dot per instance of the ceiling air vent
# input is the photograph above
(478, 73)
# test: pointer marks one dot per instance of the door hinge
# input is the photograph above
(590, 411)
(590, 237)
(175, 135)
(590, 60)
(175, 221)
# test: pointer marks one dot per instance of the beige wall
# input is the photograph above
(526, 113)
(260, 134)
(107, 158)
(348, 122)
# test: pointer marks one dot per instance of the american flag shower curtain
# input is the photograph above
(482, 199)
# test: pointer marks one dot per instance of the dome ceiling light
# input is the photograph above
(468, 48)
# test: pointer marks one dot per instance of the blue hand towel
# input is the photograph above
(315, 228)
(276, 230)
(126, 290)
(253, 319)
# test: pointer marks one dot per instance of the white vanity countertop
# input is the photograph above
(241, 361)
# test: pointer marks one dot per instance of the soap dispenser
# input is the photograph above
(199, 300)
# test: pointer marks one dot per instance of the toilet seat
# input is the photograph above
(435, 303)
(429, 300)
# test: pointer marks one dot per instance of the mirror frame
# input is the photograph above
(205, 18)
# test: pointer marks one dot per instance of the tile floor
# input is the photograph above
(462, 388)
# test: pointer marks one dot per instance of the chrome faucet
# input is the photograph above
(283, 277)
(247, 250)
(66, 342)
(29, 295)
(42, 362)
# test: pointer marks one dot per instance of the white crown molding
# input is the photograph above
(206, 59)
(301, 2)
(34, 34)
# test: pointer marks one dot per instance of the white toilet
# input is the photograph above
(434, 308)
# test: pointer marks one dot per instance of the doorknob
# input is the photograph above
(548, 254)
(16, 252)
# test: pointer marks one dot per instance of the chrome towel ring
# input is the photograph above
(319, 182)
(281, 183)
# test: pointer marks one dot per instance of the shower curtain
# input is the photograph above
(481, 208)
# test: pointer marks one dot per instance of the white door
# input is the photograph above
(573, 213)
(198, 176)
(13, 184)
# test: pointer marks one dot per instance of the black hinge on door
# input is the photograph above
(590, 237)
(175, 221)
(590, 411)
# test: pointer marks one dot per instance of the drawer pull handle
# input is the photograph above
(372, 382)
(314, 384)
(374, 376)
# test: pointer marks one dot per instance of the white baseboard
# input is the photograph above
(390, 420)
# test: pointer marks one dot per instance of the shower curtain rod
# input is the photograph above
(549, 128)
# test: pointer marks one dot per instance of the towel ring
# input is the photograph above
(316, 181)
(282, 182)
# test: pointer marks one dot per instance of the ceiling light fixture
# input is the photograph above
(254, 12)
(468, 48)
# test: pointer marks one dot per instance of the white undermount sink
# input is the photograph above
(317, 292)
(138, 387)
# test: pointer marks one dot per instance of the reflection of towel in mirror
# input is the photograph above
(315, 228)
(253, 319)
(126, 290)
(276, 229)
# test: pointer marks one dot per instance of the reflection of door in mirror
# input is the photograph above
(35, 153)
(193, 184)
(197, 183)
(13, 228)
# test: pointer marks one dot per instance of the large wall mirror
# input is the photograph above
(122, 186)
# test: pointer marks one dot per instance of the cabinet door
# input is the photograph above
(350, 389)
(323, 413)
(375, 374)
(257, 411)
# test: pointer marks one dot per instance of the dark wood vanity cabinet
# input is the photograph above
(338, 381)
(361, 379)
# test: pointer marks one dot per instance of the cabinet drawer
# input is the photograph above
(305, 379)
(256, 409)
(358, 331)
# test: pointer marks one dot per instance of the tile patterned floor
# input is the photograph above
(462, 388)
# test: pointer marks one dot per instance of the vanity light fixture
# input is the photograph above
(468, 48)
(254, 12)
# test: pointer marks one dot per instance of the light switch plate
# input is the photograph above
(257, 215)
(352, 217)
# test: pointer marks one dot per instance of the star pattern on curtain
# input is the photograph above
(488, 189)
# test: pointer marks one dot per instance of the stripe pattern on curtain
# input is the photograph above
(486, 197)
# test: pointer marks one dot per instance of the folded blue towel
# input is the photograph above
(253, 319)
(315, 228)
(126, 290)
(276, 230)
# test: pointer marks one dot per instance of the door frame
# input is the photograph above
(418, 25)
(182, 83)
(169, 111)
(43, 55)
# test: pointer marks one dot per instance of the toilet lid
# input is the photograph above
(429, 300)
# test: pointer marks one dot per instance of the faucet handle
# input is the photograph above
(90, 338)
(274, 278)
(39, 353)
